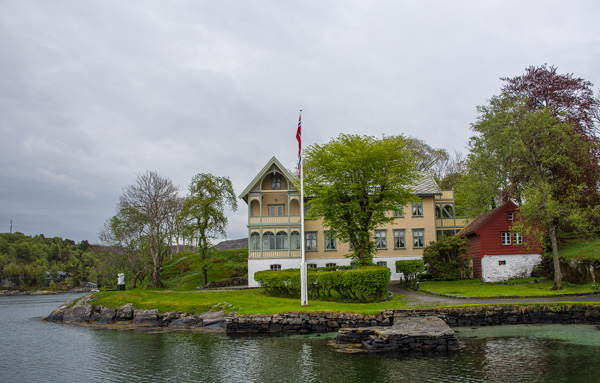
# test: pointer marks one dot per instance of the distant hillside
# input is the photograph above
(233, 244)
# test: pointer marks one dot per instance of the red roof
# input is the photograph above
(475, 225)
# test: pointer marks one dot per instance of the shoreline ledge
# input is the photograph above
(83, 312)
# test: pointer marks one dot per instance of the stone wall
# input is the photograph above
(496, 268)
(304, 322)
(555, 313)
(455, 317)
(228, 282)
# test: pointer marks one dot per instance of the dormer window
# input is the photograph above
(276, 182)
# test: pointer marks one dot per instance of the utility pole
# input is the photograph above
(11, 226)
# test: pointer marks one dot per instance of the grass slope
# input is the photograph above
(183, 271)
(589, 250)
(251, 301)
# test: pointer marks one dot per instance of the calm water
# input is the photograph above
(36, 351)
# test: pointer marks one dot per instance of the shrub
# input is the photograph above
(410, 268)
(363, 284)
(444, 258)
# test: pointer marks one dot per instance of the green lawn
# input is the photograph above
(252, 301)
(477, 288)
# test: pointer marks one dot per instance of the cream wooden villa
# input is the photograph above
(274, 226)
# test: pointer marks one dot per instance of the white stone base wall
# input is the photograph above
(255, 265)
(495, 268)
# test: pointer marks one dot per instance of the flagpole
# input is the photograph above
(303, 276)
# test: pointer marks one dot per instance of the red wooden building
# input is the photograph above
(497, 253)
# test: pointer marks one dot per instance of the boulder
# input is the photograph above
(147, 318)
(78, 314)
(213, 319)
(125, 313)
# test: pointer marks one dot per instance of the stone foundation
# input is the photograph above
(304, 322)
(407, 334)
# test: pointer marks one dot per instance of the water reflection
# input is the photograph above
(34, 351)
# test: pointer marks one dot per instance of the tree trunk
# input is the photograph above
(204, 276)
(557, 273)
(155, 282)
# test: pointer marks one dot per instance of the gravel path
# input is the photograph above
(417, 299)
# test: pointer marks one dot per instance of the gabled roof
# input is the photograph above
(426, 185)
(475, 226)
(272, 162)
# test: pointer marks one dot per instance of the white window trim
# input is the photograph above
(505, 238)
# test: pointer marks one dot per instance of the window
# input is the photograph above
(276, 267)
(276, 210)
(418, 238)
(330, 241)
(311, 265)
(268, 241)
(295, 240)
(382, 263)
(511, 215)
(399, 212)
(399, 239)
(276, 182)
(380, 239)
(281, 240)
(518, 239)
(311, 241)
(501, 263)
(505, 238)
(275, 242)
(417, 209)
(254, 241)
(330, 264)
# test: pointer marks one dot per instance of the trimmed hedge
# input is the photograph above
(365, 284)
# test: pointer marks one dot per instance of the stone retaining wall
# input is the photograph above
(454, 317)
(303, 322)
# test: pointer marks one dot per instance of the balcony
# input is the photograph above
(456, 222)
(446, 195)
(275, 220)
(268, 254)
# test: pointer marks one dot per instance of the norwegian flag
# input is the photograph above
(299, 138)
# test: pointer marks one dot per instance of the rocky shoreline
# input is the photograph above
(84, 313)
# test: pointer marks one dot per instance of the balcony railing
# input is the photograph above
(270, 220)
(274, 254)
(456, 222)
(446, 195)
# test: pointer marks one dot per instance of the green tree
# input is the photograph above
(444, 258)
(144, 213)
(353, 180)
(538, 155)
(203, 212)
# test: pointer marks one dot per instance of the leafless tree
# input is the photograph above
(145, 215)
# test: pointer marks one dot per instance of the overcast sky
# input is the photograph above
(94, 92)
